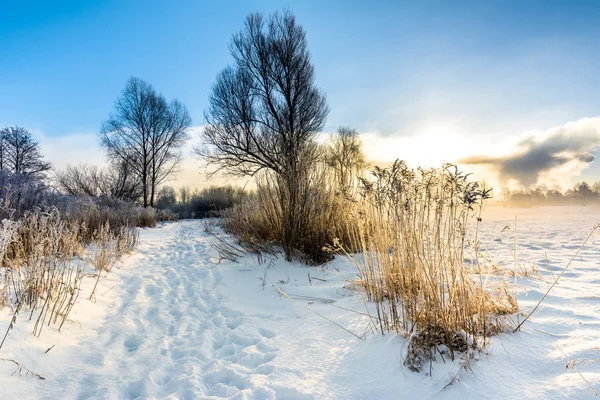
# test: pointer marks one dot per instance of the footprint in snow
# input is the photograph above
(269, 334)
(132, 343)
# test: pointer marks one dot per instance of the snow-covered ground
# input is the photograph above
(171, 322)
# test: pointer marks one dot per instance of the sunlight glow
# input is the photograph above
(429, 147)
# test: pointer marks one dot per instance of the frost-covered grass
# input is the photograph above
(43, 262)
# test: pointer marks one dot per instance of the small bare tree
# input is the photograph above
(20, 153)
(146, 133)
(265, 112)
(596, 188)
(116, 181)
(184, 194)
(167, 197)
(119, 181)
(80, 180)
(345, 156)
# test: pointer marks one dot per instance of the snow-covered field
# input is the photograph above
(171, 322)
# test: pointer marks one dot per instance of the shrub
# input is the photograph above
(92, 213)
(166, 215)
(20, 193)
(322, 214)
(211, 201)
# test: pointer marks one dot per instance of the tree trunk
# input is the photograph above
(290, 189)
(145, 187)
(152, 190)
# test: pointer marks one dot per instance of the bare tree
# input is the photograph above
(146, 133)
(582, 190)
(345, 156)
(116, 181)
(167, 197)
(80, 180)
(20, 153)
(184, 194)
(265, 111)
(119, 181)
(596, 188)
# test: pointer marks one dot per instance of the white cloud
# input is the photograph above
(85, 148)
(70, 149)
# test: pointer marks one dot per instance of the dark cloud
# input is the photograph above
(573, 144)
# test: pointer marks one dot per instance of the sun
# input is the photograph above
(429, 146)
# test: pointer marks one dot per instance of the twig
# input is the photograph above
(284, 294)
(546, 333)
(310, 279)
(12, 321)
(353, 311)
(46, 352)
(580, 374)
(454, 378)
(310, 298)
(108, 291)
(20, 368)
(558, 277)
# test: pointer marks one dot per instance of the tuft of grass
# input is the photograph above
(412, 232)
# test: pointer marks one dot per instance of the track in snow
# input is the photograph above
(171, 335)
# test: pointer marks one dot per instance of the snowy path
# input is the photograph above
(171, 323)
(171, 335)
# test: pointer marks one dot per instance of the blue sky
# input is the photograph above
(481, 69)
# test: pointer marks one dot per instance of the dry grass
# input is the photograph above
(107, 247)
(412, 231)
(322, 211)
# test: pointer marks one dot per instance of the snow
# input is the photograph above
(172, 322)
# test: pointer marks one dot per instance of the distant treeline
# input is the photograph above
(28, 182)
(582, 193)
(209, 202)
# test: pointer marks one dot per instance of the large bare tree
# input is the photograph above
(265, 111)
(20, 153)
(147, 133)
